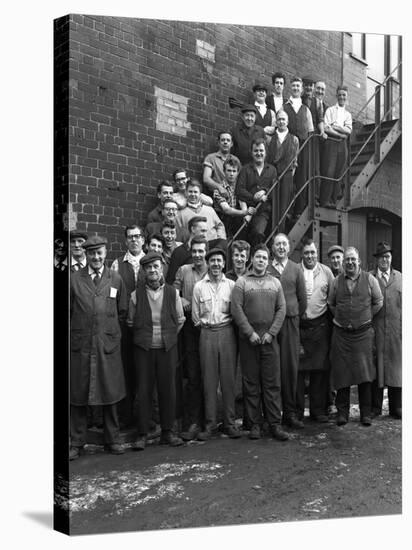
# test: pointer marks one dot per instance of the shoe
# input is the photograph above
(341, 420)
(169, 438)
(366, 421)
(140, 443)
(255, 432)
(114, 448)
(375, 413)
(293, 422)
(232, 432)
(207, 433)
(322, 418)
(278, 433)
(191, 433)
(74, 453)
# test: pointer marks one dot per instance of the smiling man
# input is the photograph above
(258, 308)
(265, 117)
(211, 313)
(98, 304)
(246, 132)
(240, 257)
(213, 172)
(354, 299)
(314, 335)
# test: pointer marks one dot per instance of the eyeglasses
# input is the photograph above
(172, 209)
(131, 237)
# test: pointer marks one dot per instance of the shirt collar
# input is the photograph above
(128, 257)
(91, 271)
(81, 262)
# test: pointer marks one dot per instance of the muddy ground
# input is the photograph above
(323, 471)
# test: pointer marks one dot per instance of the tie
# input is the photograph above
(96, 278)
(279, 267)
(385, 278)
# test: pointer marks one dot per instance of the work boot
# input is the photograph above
(341, 419)
(293, 422)
(74, 453)
(278, 433)
(232, 432)
(255, 432)
(114, 448)
(140, 443)
(191, 433)
(169, 438)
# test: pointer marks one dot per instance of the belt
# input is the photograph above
(353, 330)
(216, 327)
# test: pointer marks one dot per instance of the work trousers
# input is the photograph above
(194, 389)
(334, 161)
(365, 400)
(257, 226)
(289, 364)
(318, 392)
(300, 177)
(218, 363)
(394, 398)
(261, 377)
(155, 366)
(78, 424)
(126, 405)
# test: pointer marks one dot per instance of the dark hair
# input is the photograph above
(177, 171)
(232, 161)
(163, 183)
(258, 141)
(307, 241)
(155, 236)
(168, 224)
(224, 132)
(241, 245)
(194, 182)
(195, 220)
(260, 246)
(169, 200)
(278, 75)
(128, 227)
(343, 88)
(296, 79)
(200, 239)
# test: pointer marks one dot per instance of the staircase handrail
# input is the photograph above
(380, 85)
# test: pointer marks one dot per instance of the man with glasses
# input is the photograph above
(182, 180)
(128, 266)
(169, 214)
(164, 191)
(354, 299)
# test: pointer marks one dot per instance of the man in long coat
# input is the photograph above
(354, 299)
(388, 334)
(98, 302)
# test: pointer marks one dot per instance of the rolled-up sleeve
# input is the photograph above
(180, 313)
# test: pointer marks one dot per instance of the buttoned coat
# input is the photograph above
(96, 371)
(388, 332)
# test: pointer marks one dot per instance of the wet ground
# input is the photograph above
(323, 471)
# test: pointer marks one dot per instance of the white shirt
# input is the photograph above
(211, 302)
(281, 135)
(296, 103)
(93, 273)
(280, 265)
(75, 263)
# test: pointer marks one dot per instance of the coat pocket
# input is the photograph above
(111, 341)
(111, 307)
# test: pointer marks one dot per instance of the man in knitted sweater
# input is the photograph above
(258, 308)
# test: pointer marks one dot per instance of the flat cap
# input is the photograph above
(335, 248)
(151, 257)
(247, 108)
(78, 235)
(215, 251)
(260, 86)
(382, 248)
(95, 242)
(308, 79)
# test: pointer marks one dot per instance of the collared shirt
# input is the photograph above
(296, 103)
(211, 302)
(340, 115)
(93, 273)
(278, 102)
(281, 135)
(186, 278)
(279, 265)
(321, 280)
(384, 275)
(134, 261)
(61, 265)
(78, 264)
(228, 196)
(250, 182)
(215, 162)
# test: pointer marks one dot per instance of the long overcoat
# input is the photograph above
(388, 332)
(96, 371)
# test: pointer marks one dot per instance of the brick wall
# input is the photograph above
(149, 96)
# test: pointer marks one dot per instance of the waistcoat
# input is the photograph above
(353, 309)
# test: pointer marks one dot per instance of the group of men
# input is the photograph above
(181, 314)
(293, 328)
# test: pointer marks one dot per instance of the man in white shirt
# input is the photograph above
(265, 117)
(338, 127)
(276, 99)
(217, 345)
(314, 335)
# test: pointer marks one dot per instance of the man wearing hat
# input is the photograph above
(335, 255)
(217, 345)
(98, 300)
(354, 299)
(245, 132)
(77, 253)
(155, 317)
(388, 334)
(265, 117)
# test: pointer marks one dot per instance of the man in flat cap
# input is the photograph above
(265, 117)
(354, 299)
(335, 255)
(388, 333)
(245, 132)
(155, 317)
(217, 345)
(77, 253)
(98, 304)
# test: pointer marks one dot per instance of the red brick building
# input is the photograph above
(135, 99)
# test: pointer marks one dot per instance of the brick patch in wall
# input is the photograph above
(205, 50)
(171, 112)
